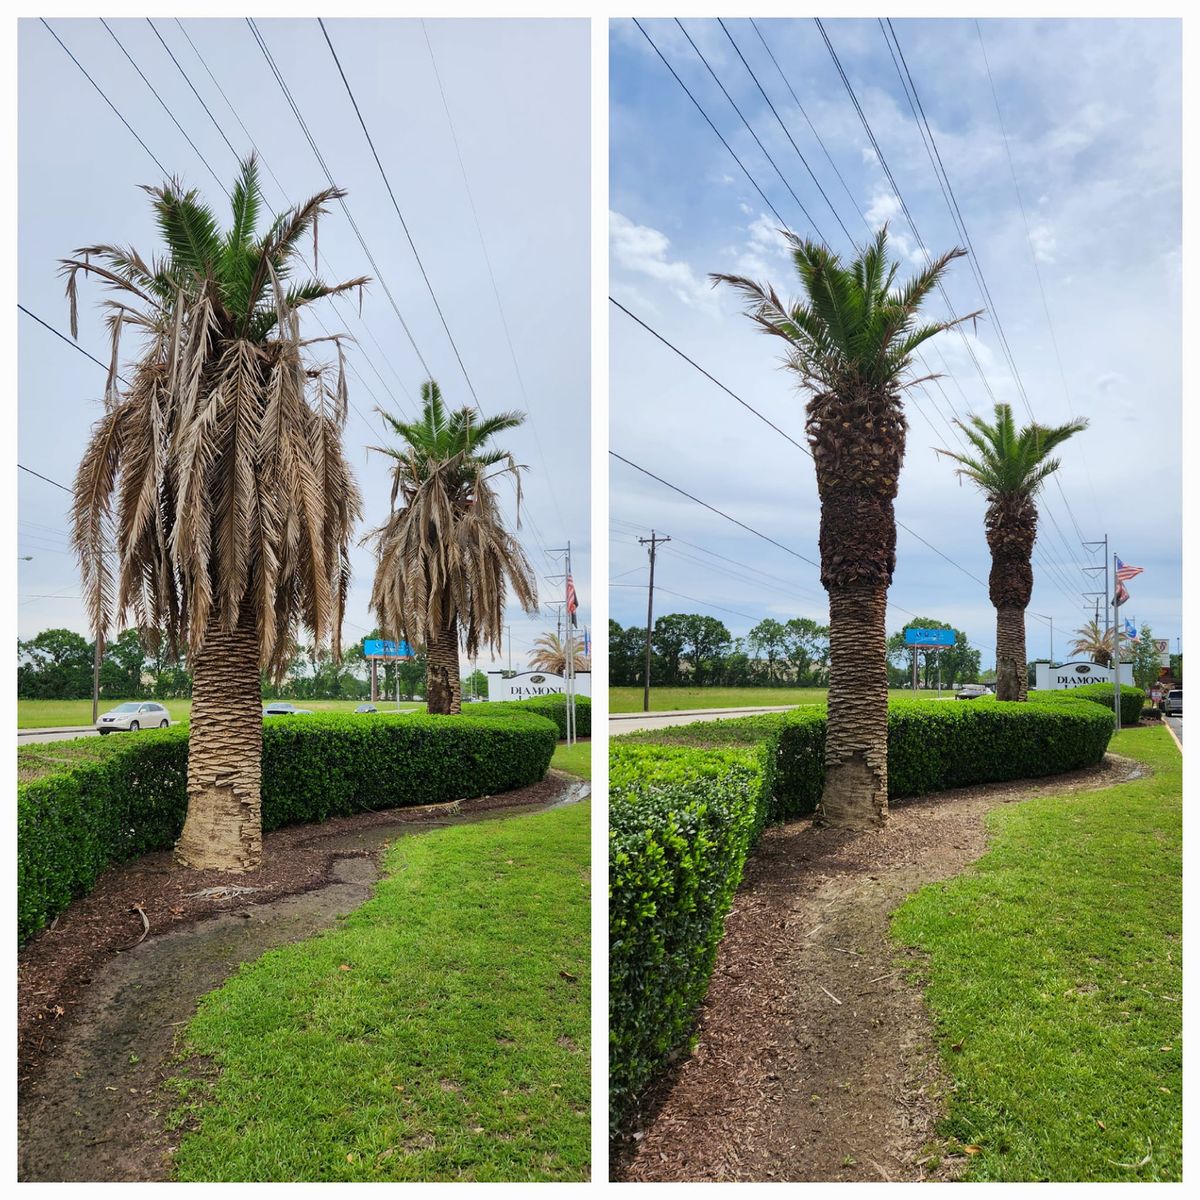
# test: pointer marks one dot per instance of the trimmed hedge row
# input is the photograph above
(1132, 699)
(552, 707)
(682, 823)
(683, 819)
(72, 825)
(933, 746)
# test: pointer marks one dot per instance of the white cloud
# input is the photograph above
(1044, 242)
(644, 250)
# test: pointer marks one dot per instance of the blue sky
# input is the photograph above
(1092, 113)
(527, 163)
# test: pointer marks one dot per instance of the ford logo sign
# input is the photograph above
(537, 679)
(1083, 669)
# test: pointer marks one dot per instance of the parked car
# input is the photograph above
(134, 715)
(280, 708)
(972, 691)
(366, 708)
(1173, 704)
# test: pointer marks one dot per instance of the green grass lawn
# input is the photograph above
(674, 699)
(575, 760)
(43, 714)
(1054, 978)
(440, 1033)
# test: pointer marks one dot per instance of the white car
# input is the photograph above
(281, 708)
(972, 691)
(134, 715)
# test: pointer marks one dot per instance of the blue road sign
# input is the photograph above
(929, 637)
(378, 648)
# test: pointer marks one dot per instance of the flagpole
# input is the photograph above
(1116, 647)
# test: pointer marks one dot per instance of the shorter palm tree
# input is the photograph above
(550, 654)
(1010, 466)
(1095, 642)
(445, 558)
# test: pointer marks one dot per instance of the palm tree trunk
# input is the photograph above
(856, 779)
(223, 829)
(443, 688)
(1012, 672)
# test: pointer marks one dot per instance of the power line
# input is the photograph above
(44, 478)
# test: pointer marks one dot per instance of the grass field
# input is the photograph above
(50, 714)
(674, 699)
(1054, 977)
(441, 1033)
(575, 760)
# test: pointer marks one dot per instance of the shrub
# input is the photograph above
(1132, 699)
(131, 799)
(552, 707)
(681, 825)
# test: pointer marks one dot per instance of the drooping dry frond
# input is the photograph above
(219, 461)
(550, 654)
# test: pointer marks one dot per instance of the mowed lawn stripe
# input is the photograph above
(440, 1033)
(1053, 973)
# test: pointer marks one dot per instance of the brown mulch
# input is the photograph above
(815, 1058)
(57, 968)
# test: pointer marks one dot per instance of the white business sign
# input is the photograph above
(528, 684)
(1077, 674)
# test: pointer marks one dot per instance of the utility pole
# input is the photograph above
(508, 632)
(653, 541)
(96, 677)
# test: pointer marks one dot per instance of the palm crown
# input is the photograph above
(1010, 463)
(222, 457)
(854, 328)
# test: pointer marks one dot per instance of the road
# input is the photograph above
(619, 723)
(26, 736)
(1176, 725)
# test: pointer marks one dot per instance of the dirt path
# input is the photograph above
(92, 1107)
(815, 1059)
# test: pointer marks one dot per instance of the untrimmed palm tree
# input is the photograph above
(1095, 642)
(1010, 465)
(550, 654)
(444, 558)
(851, 342)
(213, 500)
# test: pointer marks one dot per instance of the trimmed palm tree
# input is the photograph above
(213, 500)
(1095, 642)
(444, 558)
(550, 654)
(1010, 465)
(851, 341)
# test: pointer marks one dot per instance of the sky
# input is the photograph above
(518, 96)
(1081, 257)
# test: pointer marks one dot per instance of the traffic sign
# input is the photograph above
(929, 637)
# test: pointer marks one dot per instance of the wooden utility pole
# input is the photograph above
(653, 541)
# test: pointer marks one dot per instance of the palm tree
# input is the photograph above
(1095, 642)
(445, 558)
(1009, 466)
(850, 342)
(551, 655)
(217, 471)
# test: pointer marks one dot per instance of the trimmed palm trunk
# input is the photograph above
(858, 446)
(223, 829)
(1011, 525)
(443, 686)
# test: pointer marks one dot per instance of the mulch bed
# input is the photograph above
(55, 969)
(815, 1058)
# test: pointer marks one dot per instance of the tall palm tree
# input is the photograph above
(1095, 642)
(445, 559)
(550, 654)
(217, 470)
(1010, 465)
(850, 342)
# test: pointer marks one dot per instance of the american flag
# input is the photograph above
(572, 601)
(1124, 573)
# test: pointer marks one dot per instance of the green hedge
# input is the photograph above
(552, 707)
(934, 745)
(684, 817)
(682, 823)
(74, 824)
(1132, 699)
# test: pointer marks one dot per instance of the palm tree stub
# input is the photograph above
(851, 342)
(444, 557)
(219, 472)
(1010, 465)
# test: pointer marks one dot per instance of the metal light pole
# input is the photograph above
(1043, 617)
